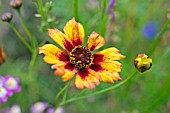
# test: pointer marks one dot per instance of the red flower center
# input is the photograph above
(81, 57)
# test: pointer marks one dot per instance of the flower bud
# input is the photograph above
(7, 17)
(2, 56)
(142, 62)
(16, 3)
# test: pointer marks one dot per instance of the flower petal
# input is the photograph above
(113, 66)
(95, 41)
(64, 73)
(60, 38)
(89, 79)
(51, 53)
(68, 75)
(79, 82)
(110, 54)
(75, 32)
(109, 77)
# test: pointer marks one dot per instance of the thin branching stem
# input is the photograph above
(158, 38)
(31, 38)
(101, 91)
(20, 37)
(76, 9)
(62, 90)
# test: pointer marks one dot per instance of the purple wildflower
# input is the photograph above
(3, 95)
(111, 4)
(12, 84)
(38, 107)
(14, 109)
(3, 91)
(50, 110)
(110, 8)
(150, 30)
(8, 85)
(59, 110)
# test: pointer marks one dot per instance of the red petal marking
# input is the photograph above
(77, 42)
(64, 57)
(98, 58)
(96, 67)
(92, 47)
(69, 66)
(83, 73)
(68, 45)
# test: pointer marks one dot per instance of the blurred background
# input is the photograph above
(131, 26)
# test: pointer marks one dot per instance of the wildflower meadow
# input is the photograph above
(84, 56)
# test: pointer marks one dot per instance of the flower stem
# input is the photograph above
(41, 10)
(158, 38)
(32, 62)
(62, 90)
(76, 9)
(65, 95)
(101, 91)
(31, 38)
(103, 18)
(20, 37)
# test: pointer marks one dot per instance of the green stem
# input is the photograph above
(101, 91)
(32, 62)
(25, 28)
(62, 90)
(65, 95)
(20, 37)
(103, 19)
(76, 9)
(40, 9)
(100, 6)
(158, 38)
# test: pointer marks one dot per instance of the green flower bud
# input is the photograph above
(7, 17)
(143, 62)
(16, 3)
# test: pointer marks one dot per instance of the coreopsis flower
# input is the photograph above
(38, 107)
(143, 62)
(12, 84)
(77, 60)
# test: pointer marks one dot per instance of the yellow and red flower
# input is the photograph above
(77, 60)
